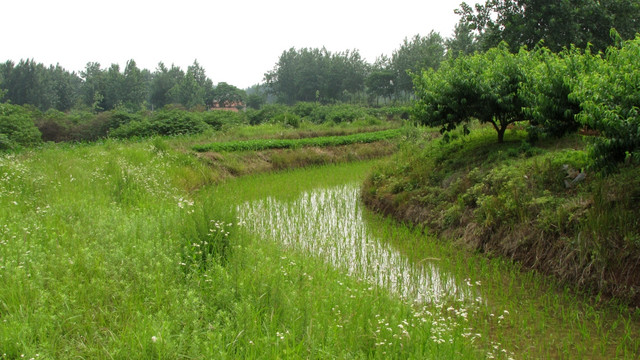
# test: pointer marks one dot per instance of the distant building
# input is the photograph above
(232, 106)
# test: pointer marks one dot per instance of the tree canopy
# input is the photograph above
(482, 86)
(101, 89)
(316, 75)
(559, 23)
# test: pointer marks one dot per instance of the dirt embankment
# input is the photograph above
(587, 237)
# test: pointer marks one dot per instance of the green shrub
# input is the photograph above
(142, 128)
(54, 125)
(346, 113)
(610, 103)
(177, 122)
(289, 119)
(6, 143)
(305, 109)
(218, 118)
(265, 114)
(550, 80)
(18, 127)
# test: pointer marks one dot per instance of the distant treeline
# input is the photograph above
(98, 89)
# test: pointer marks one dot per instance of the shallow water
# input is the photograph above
(329, 223)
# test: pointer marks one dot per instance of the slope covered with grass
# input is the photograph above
(535, 205)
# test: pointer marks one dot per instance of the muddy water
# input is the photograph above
(329, 223)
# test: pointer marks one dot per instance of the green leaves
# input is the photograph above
(17, 127)
(316, 75)
(609, 96)
(482, 86)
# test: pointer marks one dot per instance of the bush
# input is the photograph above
(391, 112)
(166, 122)
(177, 122)
(6, 143)
(550, 80)
(218, 118)
(610, 103)
(288, 119)
(18, 127)
(134, 129)
(305, 109)
(54, 125)
(346, 113)
(267, 113)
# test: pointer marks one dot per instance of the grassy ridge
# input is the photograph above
(525, 203)
(263, 144)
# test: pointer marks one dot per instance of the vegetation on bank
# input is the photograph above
(544, 197)
(536, 205)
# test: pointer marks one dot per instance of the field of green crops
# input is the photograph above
(263, 144)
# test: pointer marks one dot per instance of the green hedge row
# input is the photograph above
(264, 144)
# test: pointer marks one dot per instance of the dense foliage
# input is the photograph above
(558, 23)
(319, 75)
(555, 92)
(97, 89)
(17, 127)
(481, 86)
(316, 75)
(609, 96)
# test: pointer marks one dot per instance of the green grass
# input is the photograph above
(262, 144)
(126, 250)
(522, 312)
(103, 255)
(517, 200)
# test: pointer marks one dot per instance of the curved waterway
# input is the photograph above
(511, 313)
(329, 223)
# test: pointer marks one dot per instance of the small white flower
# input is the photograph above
(154, 338)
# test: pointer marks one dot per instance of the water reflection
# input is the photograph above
(329, 223)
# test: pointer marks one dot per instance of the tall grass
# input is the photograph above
(92, 254)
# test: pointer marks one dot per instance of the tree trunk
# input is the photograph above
(501, 132)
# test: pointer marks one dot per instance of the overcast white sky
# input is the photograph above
(235, 41)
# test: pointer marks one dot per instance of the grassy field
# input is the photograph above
(105, 255)
(136, 250)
